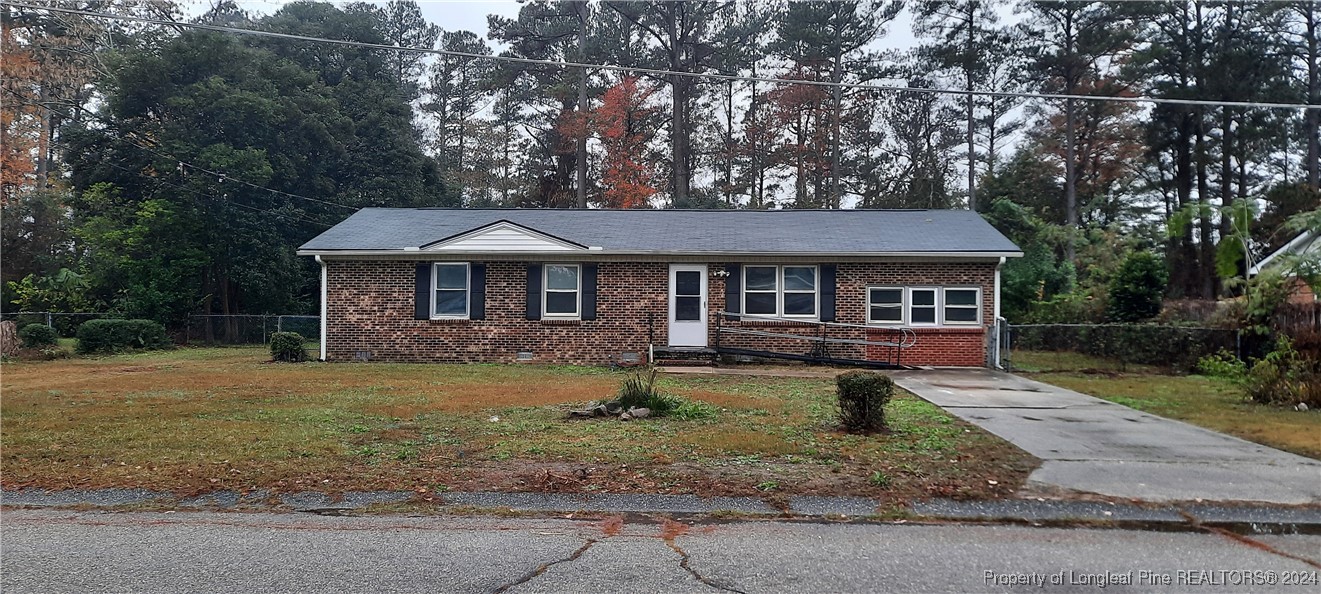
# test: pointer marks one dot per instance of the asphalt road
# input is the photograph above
(69, 551)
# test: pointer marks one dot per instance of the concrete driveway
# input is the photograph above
(1091, 445)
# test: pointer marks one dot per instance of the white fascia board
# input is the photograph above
(1294, 245)
(714, 256)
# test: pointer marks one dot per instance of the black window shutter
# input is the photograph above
(827, 292)
(477, 291)
(734, 289)
(533, 291)
(589, 291)
(422, 292)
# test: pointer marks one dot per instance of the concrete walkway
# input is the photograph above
(1091, 445)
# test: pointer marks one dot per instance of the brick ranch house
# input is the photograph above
(595, 286)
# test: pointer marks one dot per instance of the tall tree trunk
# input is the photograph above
(1206, 243)
(581, 150)
(968, 63)
(800, 175)
(1070, 175)
(729, 145)
(679, 131)
(836, 76)
(972, 154)
(1186, 267)
(1313, 121)
(1227, 151)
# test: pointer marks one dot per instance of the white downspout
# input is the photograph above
(997, 287)
(995, 360)
(325, 309)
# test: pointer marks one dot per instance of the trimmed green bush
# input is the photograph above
(111, 336)
(37, 335)
(288, 347)
(862, 399)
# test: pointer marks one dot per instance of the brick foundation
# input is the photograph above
(370, 316)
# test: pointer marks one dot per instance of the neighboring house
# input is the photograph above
(595, 286)
(1308, 243)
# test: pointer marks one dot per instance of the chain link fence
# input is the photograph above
(65, 324)
(1173, 347)
(248, 329)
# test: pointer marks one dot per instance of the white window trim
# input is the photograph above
(903, 305)
(467, 290)
(780, 291)
(545, 289)
(976, 306)
(744, 293)
(908, 307)
(815, 292)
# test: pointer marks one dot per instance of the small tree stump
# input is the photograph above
(8, 339)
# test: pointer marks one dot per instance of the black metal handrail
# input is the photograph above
(906, 337)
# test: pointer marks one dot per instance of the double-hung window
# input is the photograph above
(924, 306)
(962, 306)
(451, 290)
(885, 305)
(780, 291)
(563, 285)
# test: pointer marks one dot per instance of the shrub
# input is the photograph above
(639, 391)
(288, 347)
(1136, 290)
(37, 335)
(109, 336)
(1222, 364)
(862, 398)
(1066, 308)
(1284, 377)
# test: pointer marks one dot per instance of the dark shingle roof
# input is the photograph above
(680, 231)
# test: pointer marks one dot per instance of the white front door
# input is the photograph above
(688, 305)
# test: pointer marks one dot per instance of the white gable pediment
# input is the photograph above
(503, 236)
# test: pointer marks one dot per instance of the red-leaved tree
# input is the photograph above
(624, 124)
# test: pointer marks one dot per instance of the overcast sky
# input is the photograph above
(470, 15)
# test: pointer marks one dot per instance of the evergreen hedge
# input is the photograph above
(37, 335)
(110, 336)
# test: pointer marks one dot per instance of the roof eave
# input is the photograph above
(592, 254)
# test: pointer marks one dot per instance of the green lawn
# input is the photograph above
(1214, 403)
(193, 420)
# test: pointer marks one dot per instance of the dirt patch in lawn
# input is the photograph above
(198, 420)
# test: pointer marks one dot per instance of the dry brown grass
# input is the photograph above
(196, 420)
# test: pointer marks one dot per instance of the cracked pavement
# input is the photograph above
(48, 550)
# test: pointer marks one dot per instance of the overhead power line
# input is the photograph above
(271, 212)
(222, 176)
(662, 72)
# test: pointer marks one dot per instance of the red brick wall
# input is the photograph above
(371, 312)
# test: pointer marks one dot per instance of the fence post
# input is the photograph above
(49, 322)
(279, 323)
